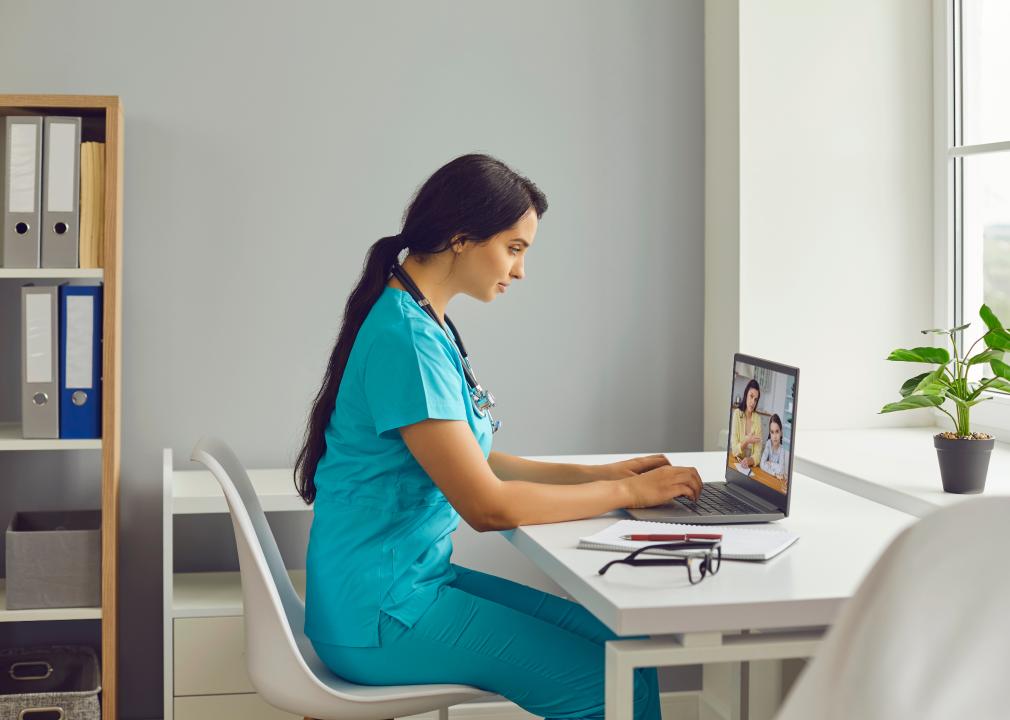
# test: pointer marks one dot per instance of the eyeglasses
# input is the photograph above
(698, 564)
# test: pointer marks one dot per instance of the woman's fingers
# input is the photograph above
(649, 462)
(689, 476)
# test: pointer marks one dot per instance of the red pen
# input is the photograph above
(664, 538)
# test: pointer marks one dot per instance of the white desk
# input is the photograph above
(893, 466)
(841, 536)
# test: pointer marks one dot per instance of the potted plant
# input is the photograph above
(963, 455)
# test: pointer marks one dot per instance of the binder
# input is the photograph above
(61, 178)
(22, 191)
(40, 400)
(80, 361)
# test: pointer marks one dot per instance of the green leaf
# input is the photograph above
(989, 318)
(913, 402)
(996, 385)
(910, 385)
(921, 354)
(998, 339)
(940, 331)
(964, 403)
(1000, 369)
(933, 384)
(985, 356)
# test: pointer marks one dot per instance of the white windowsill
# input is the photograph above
(894, 466)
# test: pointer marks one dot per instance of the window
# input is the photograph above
(973, 173)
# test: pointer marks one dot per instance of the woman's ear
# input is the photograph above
(457, 243)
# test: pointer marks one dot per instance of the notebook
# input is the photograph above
(758, 542)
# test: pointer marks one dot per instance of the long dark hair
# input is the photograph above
(473, 197)
(774, 420)
(743, 400)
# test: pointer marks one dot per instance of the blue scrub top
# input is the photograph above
(380, 538)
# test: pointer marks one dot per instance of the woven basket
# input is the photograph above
(58, 682)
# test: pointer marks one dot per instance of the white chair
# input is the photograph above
(927, 635)
(282, 664)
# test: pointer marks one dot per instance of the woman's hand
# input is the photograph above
(628, 468)
(660, 485)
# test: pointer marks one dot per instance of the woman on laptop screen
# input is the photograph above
(746, 440)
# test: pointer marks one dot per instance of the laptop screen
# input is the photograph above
(762, 428)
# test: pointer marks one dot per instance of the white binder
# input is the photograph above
(22, 191)
(40, 383)
(61, 178)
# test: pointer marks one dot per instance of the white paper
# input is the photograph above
(750, 542)
(39, 346)
(60, 154)
(80, 336)
(24, 140)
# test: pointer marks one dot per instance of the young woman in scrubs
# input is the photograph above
(395, 454)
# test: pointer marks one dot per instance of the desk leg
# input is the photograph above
(619, 683)
(721, 691)
(721, 657)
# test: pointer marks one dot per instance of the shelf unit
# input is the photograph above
(204, 671)
(103, 114)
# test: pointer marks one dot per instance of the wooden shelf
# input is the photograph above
(86, 613)
(102, 117)
(213, 594)
(196, 492)
(51, 273)
(10, 439)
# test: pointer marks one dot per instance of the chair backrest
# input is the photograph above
(926, 635)
(281, 661)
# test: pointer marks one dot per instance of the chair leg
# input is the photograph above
(443, 713)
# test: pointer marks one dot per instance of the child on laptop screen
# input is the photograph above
(773, 459)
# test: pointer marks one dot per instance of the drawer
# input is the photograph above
(228, 707)
(209, 656)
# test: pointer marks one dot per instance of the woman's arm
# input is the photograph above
(755, 430)
(449, 453)
(736, 438)
(511, 467)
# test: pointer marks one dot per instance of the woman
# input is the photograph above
(396, 451)
(746, 437)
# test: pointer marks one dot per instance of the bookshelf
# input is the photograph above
(102, 116)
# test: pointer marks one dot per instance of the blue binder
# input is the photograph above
(80, 361)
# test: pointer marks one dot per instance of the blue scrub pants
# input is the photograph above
(542, 652)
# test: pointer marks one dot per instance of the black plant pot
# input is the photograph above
(964, 464)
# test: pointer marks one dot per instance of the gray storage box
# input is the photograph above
(54, 559)
(60, 682)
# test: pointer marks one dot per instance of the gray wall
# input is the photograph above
(267, 145)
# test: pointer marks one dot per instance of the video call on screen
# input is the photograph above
(761, 424)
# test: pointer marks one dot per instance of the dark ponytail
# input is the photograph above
(475, 196)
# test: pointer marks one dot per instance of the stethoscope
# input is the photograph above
(480, 398)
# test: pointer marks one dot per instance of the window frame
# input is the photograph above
(992, 416)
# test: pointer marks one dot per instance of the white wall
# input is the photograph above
(835, 199)
(242, 237)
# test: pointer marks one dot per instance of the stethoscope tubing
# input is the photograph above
(482, 400)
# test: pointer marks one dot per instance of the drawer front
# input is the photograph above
(228, 707)
(209, 656)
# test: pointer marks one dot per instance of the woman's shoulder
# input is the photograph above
(396, 319)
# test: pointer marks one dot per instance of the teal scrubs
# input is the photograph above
(384, 605)
(380, 539)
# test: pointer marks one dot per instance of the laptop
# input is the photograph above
(759, 463)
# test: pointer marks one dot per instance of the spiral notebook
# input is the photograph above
(739, 542)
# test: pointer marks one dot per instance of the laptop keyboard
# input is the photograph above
(716, 501)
